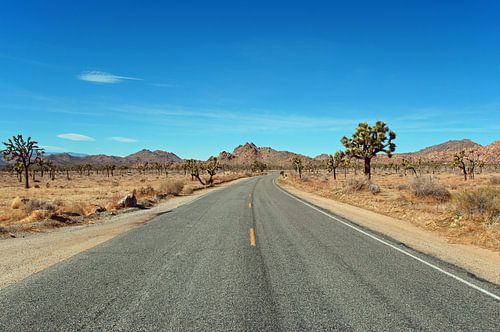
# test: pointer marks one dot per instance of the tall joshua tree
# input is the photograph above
(367, 141)
(24, 152)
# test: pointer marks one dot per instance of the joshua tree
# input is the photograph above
(193, 167)
(467, 162)
(333, 162)
(367, 141)
(26, 153)
(109, 170)
(297, 164)
(408, 165)
(211, 167)
(51, 169)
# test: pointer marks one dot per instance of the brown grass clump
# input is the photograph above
(16, 203)
(172, 187)
(482, 204)
(495, 180)
(36, 215)
(361, 184)
(426, 187)
(145, 192)
(39, 204)
(356, 184)
(187, 190)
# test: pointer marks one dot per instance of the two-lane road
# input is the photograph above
(199, 268)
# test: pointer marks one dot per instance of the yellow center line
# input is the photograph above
(252, 237)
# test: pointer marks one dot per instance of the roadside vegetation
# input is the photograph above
(459, 199)
(36, 194)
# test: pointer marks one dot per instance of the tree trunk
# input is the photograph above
(334, 174)
(26, 177)
(368, 168)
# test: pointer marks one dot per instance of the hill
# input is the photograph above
(245, 154)
(140, 157)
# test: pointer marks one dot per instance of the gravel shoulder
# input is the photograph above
(22, 257)
(481, 262)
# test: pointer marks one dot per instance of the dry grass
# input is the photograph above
(83, 195)
(16, 203)
(427, 187)
(468, 217)
(172, 187)
(482, 204)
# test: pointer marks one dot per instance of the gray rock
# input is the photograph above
(128, 201)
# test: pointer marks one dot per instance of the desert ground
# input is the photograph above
(84, 198)
(465, 212)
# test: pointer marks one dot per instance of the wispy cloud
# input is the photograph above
(54, 148)
(123, 139)
(76, 137)
(103, 77)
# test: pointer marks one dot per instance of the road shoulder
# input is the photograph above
(481, 262)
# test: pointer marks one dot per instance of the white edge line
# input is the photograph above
(482, 290)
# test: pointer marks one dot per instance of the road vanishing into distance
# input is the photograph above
(250, 257)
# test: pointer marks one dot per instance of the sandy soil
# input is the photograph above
(481, 262)
(397, 200)
(22, 257)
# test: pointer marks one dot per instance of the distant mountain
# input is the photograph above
(140, 157)
(447, 148)
(445, 151)
(321, 157)
(491, 152)
(157, 156)
(246, 154)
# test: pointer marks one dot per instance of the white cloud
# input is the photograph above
(76, 137)
(123, 139)
(103, 77)
(54, 148)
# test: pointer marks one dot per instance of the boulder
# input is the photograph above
(128, 201)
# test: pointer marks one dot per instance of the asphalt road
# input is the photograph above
(195, 269)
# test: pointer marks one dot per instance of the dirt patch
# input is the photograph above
(482, 262)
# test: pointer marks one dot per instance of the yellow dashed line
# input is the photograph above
(252, 237)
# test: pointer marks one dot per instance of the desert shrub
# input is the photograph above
(483, 204)
(115, 184)
(402, 187)
(427, 187)
(147, 191)
(373, 188)
(188, 190)
(16, 203)
(495, 180)
(357, 184)
(38, 204)
(172, 187)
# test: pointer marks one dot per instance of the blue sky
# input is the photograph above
(198, 77)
